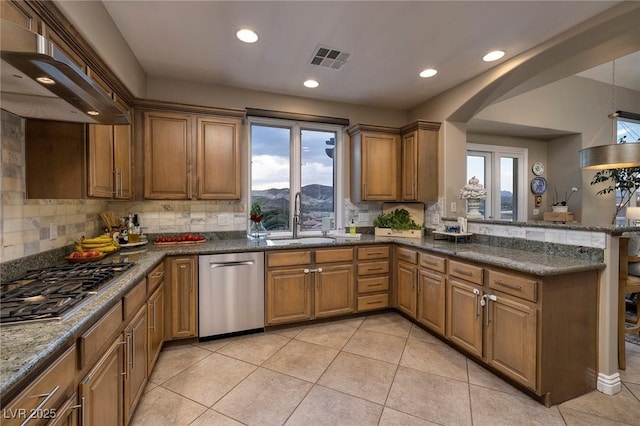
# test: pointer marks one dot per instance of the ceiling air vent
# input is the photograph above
(327, 57)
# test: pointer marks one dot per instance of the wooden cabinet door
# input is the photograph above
(167, 156)
(409, 167)
(288, 295)
(182, 298)
(101, 391)
(67, 414)
(101, 171)
(334, 290)
(431, 300)
(155, 317)
(218, 159)
(136, 368)
(511, 338)
(464, 315)
(122, 161)
(380, 167)
(406, 290)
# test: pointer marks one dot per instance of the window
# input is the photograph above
(500, 169)
(289, 157)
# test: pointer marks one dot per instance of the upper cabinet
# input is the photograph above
(390, 164)
(375, 152)
(419, 166)
(191, 156)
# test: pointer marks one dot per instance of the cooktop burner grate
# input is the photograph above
(47, 294)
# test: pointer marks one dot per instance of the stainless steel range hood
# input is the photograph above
(73, 96)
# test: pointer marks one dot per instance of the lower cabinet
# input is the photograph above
(464, 315)
(306, 284)
(373, 280)
(101, 391)
(155, 317)
(181, 304)
(135, 378)
(406, 278)
(431, 300)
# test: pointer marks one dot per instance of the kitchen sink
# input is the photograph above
(295, 241)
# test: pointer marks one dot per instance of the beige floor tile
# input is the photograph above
(380, 346)
(264, 398)
(289, 332)
(632, 373)
(214, 345)
(391, 417)
(174, 359)
(325, 406)
(493, 408)
(622, 407)
(480, 376)
(576, 418)
(211, 417)
(430, 397)
(360, 376)
(149, 386)
(634, 389)
(436, 358)
(329, 335)
(351, 322)
(161, 407)
(303, 360)
(420, 334)
(209, 379)
(389, 323)
(256, 348)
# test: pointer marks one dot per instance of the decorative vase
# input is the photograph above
(473, 206)
(256, 231)
(560, 209)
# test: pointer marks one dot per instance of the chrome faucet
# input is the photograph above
(297, 214)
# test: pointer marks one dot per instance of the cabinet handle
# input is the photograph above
(509, 285)
(121, 184)
(38, 410)
(319, 270)
(377, 302)
(463, 272)
(306, 271)
(489, 298)
(132, 360)
(126, 357)
(153, 310)
(197, 187)
(67, 407)
(377, 268)
(476, 292)
(84, 410)
(429, 261)
(375, 253)
(189, 187)
(115, 182)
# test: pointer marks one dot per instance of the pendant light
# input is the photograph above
(615, 155)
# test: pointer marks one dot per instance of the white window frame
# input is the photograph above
(295, 178)
(493, 153)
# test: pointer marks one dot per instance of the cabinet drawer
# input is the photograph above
(433, 262)
(155, 278)
(134, 299)
(406, 255)
(44, 391)
(466, 272)
(93, 341)
(376, 301)
(288, 258)
(514, 285)
(373, 252)
(373, 268)
(371, 285)
(334, 255)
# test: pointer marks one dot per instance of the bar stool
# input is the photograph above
(626, 284)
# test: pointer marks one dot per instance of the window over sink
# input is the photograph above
(288, 157)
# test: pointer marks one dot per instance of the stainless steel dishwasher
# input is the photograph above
(231, 293)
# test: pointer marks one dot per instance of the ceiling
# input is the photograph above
(389, 42)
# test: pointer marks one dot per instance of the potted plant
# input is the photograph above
(256, 228)
(626, 180)
(559, 205)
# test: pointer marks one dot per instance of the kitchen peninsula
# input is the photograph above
(27, 349)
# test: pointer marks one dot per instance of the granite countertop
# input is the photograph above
(24, 348)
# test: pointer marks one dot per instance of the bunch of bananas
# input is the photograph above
(102, 243)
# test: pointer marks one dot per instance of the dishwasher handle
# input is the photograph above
(228, 264)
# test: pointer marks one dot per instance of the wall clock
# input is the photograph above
(537, 168)
(538, 185)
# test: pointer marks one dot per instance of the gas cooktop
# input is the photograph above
(47, 294)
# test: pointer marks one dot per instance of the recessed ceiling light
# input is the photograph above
(429, 72)
(91, 112)
(311, 84)
(46, 80)
(247, 35)
(493, 56)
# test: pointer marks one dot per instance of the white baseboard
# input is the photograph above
(609, 385)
